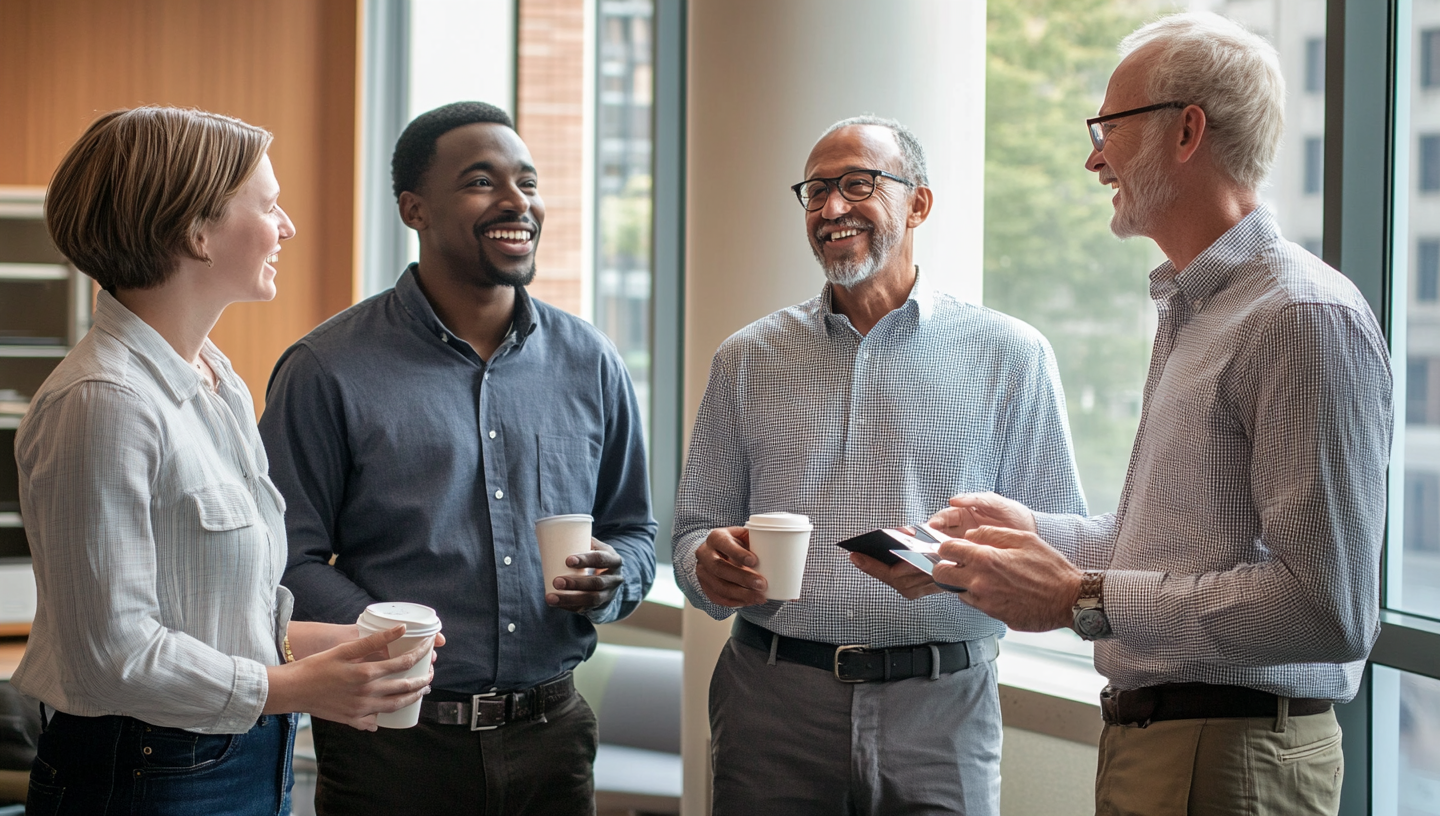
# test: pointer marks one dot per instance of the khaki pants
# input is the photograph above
(1270, 766)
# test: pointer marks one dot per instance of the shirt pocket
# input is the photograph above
(569, 468)
(223, 507)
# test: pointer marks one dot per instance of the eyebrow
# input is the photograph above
(489, 167)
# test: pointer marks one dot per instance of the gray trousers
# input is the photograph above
(791, 739)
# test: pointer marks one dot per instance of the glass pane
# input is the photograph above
(1050, 258)
(1407, 743)
(623, 186)
(1415, 553)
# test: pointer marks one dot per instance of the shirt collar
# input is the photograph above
(1213, 269)
(179, 379)
(921, 295)
(407, 289)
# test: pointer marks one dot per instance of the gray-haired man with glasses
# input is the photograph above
(864, 407)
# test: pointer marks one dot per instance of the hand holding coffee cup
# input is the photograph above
(422, 626)
(580, 572)
(733, 571)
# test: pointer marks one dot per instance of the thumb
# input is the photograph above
(356, 649)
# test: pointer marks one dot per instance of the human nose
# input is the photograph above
(515, 199)
(835, 205)
(1095, 162)
(287, 227)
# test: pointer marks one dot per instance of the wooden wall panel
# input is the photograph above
(286, 65)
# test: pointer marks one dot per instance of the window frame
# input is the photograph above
(1366, 205)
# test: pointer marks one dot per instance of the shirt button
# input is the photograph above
(499, 494)
(492, 434)
(849, 613)
(444, 338)
(507, 560)
(510, 628)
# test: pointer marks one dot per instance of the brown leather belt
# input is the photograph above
(1197, 701)
(483, 712)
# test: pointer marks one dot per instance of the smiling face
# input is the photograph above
(853, 240)
(1134, 163)
(245, 242)
(478, 207)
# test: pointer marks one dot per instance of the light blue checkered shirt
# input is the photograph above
(803, 414)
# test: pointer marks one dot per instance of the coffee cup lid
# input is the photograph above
(569, 517)
(778, 521)
(418, 618)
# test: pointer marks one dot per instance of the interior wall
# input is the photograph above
(286, 65)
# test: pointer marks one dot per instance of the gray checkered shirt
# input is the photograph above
(803, 414)
(1246, 547)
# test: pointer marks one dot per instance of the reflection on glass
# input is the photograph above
(1050, 258)
(622, 185)
(1419, 542)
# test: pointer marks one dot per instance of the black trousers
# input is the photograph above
(449, 770)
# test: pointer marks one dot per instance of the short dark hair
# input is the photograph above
(415, 148)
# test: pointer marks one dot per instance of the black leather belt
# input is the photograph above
(1196, 701)
(861, 664)
(483, 712)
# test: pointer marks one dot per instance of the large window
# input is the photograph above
(623, 188)
(1417, 560)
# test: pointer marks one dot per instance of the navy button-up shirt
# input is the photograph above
(423, 469)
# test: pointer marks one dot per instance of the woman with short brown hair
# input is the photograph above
(162, 648)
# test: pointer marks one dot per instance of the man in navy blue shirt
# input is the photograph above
(416, 438)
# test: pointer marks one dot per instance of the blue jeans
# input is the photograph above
(117, 766)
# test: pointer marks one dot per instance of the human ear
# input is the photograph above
(412, 211)
(920, 205)
(1192, 132)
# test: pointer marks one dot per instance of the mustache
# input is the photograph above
(847, 222)
(524, 221)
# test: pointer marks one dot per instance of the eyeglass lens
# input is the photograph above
(856, 186)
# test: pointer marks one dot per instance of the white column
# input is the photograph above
(765, 78)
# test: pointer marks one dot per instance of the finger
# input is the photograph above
(359, 649)
(731, 594)
(577, 601)
(958, 551)
(595, 559)
(724, 571)
(439, 639)
(588, 583)
(999, 537)
(732, 544)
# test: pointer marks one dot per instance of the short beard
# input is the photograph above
(848, 273)
(1147, 192)
(494, 275)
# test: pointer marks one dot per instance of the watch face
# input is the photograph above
(1092, 624)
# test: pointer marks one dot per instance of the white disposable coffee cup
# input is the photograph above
(780, 542)
(561, 537)
(421, 626)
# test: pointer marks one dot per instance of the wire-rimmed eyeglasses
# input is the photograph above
(1097, 133)
(856, 185)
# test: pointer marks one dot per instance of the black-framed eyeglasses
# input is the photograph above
(856, 185)
(1097, 133)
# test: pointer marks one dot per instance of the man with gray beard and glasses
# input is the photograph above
(1234, 593)
(864, 407)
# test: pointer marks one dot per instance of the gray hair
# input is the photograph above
(1232, 74)
(912, 155)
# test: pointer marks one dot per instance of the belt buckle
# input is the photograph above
(478, 703)
(839, 650)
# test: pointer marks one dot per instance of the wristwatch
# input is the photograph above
(1089, 617)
